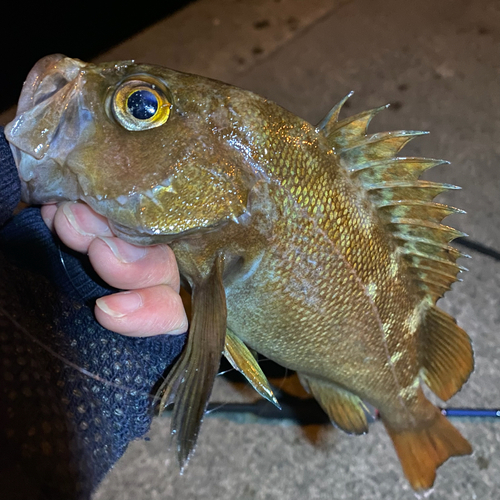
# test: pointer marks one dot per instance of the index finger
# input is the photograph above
(76, 224)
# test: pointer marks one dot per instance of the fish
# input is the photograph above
(316, 246)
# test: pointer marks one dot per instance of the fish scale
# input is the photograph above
(363, 255)
(318, 246)
(286, 286)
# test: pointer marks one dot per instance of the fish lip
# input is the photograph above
(35, 77)
(37, 125)
(32, 130)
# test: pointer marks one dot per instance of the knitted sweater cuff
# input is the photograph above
(10, 185)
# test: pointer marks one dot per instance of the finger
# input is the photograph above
(142, 313)
(77, 225)
(48, 214)
(127, 266)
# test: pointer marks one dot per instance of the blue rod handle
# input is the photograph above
(470, 412)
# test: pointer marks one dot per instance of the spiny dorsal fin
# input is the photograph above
(417, 209)
(403, 202)
(428, 250)
(332, 117)
(377, 147)
(409, 169)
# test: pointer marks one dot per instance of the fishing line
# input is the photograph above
(215, 407)
(68, 275)
(59, 357)
(229, 370)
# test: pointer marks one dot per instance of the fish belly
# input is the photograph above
(320, 320)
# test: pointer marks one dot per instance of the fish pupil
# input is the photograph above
(142, 104)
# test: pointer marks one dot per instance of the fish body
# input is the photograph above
(315, 246)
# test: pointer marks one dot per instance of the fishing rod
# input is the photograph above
(309, 412)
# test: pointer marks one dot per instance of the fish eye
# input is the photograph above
(141, 104)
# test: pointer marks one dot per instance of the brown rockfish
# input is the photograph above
(315, 246)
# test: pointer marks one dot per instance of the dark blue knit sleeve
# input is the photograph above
(72, 394)
(10, 186)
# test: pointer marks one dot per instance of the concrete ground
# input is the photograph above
(437, 62)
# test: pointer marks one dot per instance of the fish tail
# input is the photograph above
(421, 451)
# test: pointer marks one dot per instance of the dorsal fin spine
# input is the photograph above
(419, 164)
(380, 146)
(351, 128)
(431, 259)
(416, 209)
(333, 115)
(414, 184)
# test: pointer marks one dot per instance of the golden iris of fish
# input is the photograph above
(318, 246)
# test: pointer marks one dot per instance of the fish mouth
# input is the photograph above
(47, 93)
(127, 220)
(41, 136)
(45, 79)
(29, 98)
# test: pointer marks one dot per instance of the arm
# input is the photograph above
(72, 393)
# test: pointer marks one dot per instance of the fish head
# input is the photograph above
(147, 147)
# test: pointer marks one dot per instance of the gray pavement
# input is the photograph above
(438, 63)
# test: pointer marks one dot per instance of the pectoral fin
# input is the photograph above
(191, 380)
(242, 360)
(346, 410)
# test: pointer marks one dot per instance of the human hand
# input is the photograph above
(152, 304)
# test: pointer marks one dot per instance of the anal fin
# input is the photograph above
(242, 360)
(447, 358)
(191, 380)
(346, 410)
(423, 450)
